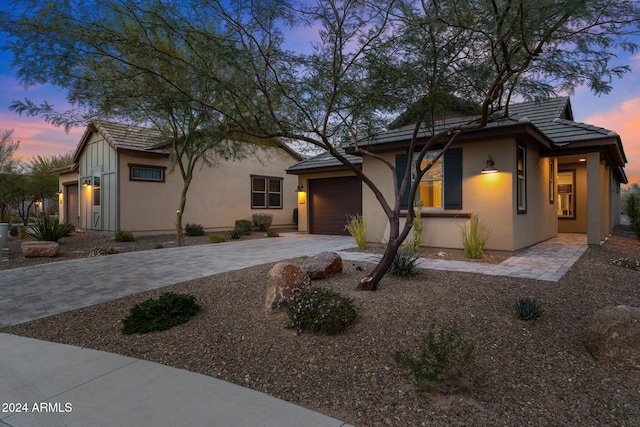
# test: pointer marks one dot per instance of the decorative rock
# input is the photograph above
(613, 336)
(32, 249)
(285, 280)
(323, 265)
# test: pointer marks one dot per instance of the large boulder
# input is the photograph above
(285, 280)
(32, 249)
(323, 265)
(613, 336)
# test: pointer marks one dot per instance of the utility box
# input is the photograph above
(4, 238)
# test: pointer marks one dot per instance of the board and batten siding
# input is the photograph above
(98, 158)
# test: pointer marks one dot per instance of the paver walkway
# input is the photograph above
(32, 292)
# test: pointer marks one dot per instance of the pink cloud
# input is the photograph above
(625, 120)
(38, 137)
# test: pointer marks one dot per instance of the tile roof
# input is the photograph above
(127, 137)
(324, 161)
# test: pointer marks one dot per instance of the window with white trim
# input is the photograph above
(431, 187)
(266, 192)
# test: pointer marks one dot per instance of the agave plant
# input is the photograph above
(528, 309)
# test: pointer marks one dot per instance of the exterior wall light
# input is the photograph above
(490, 167)
(299, 188)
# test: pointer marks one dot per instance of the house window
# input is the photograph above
(431, 187)
(96, 188)
(566, 194)
(552, 183)
(266, 192)
(521, 184)
(146, 173)
(441, 187)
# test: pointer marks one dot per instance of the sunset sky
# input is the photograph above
(618, 111)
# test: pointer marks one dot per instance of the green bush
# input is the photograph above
(22, 232)
(417, 227)
(636, 228)
(272, 233)
(357, 227)
(404, 263)
(262, 221)
(124, 236)
(235, 234)
(633, 207)
(244, 226)
(445, 359)
(216, 238)
(295, 216)
(102, 251)
(169, 310)
(474, 238)
(194, 230)
(627, 263)
(321, 310)
(48, 228)
(528, 309)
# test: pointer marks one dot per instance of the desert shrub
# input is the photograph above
(47, 228)
(528, 309)
(627, 263)
(404, 263)
(262, 221)
(417, 227)
(636, 228)
(216, 238)
(193, 230)
(22, 232)
(633, 207)
(244, 226)
(444, 361)
(474, 238)
(102, 251)
(357, 227)
(124, 236)
(13, 231)
(321, 310)
(295, 216)
(235, 234)
(159, 246)
(272, 233)
(170, 309)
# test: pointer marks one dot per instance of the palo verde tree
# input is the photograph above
(8, 174)
(122, 60)
(374, 59)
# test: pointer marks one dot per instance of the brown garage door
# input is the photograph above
(330, 201)
(71, 204)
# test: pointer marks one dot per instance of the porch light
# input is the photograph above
(490, 167)
(59, 192)
(299, 189)
(87, 182)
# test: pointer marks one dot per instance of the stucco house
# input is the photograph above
(552, 175)
(120, 179)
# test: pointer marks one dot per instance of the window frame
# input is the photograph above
(425, 179)
(267, 191)
(521, 179)
(572, 193)
(133, 166)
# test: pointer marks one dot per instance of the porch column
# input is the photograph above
(593, 198)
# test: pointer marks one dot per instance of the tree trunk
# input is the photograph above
(370, 283)
(183, 202)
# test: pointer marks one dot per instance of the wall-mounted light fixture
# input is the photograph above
(59, 192)
(86, 182)
(299, 188)
(490, 167)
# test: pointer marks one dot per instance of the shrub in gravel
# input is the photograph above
(102, 251)
(627, 263)
(124, 236)
(262, 221)
(272, 233)
(194, 230)
(444, 363)
(528, 309)
(321, 310)
(404, 263)
(48, 228)
(244, 226)
(169, 310)
(235, 234)
(216, 238)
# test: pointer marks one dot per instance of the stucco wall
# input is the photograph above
(491, 196)
(218, 195)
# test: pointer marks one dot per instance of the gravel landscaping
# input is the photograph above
(527, 373)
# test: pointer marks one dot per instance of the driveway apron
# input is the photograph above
(42, 290)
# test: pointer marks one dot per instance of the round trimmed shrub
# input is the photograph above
(169, 310)
(321, 310)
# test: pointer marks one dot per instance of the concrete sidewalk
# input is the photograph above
(44, 384)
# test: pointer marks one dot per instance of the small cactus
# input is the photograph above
(528, 309)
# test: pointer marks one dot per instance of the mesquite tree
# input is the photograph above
(371, 61)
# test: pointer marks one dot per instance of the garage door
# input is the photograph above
(71, 204)
(330, 201)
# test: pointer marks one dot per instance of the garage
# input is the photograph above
(330, 201)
